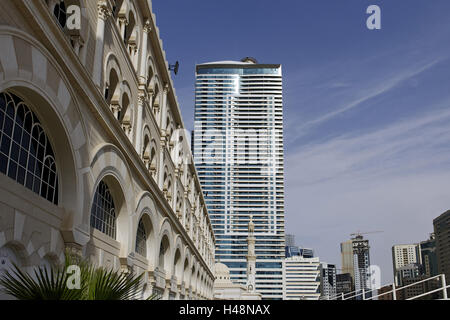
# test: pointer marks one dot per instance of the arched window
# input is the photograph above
(153, 163)
(146, 150)
(129, 28)
(26, 154)
(103, 212)
(150, 75)
(115, 8)
(177, 265)
(179, 205)
(155, 101)
(141, 239)
(60, 13)
(164, 250)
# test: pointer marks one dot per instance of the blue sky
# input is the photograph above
(367, 113)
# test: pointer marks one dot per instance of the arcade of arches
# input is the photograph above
(90, 156)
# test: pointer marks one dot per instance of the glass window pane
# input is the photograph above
(19, 151)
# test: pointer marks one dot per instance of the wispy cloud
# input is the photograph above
(385, 83)
(417, 139)
(394, 178)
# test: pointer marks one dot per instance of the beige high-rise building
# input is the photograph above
(93, 155)
(347, 258)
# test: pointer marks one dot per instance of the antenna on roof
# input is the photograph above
(174, 67)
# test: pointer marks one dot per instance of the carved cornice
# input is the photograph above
(104, 12)
(123, 20)
(166, 88)
(142, 96)
(147, 27)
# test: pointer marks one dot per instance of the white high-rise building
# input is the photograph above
(403, 255)
(302, 278)
(238, 152)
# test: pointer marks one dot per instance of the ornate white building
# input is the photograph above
(225, 289)
(90, 155)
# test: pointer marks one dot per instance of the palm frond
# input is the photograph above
(52, 284)
(114, 285)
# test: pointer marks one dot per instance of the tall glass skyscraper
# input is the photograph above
(238, 152)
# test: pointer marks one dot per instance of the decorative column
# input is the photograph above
(74, 249)
(77, 43)
(116, 108)
(123, 22)
(176, 148)
(103, 13)
(140, 108)
(143, 66)
(163, 137)
(191, 221)
(161, 164)
(142, 89)
(163, 122)
(183, 209)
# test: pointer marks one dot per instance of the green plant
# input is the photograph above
(52, 284)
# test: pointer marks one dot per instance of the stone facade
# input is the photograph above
(105, 102)
(225, 289)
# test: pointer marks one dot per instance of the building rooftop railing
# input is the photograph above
(363, 293)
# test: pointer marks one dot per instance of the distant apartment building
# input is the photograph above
(344, 285)
(410, 271)
(442, 234)
(301, 278)
(411, 284)
(412, 288)
(356, 261)
(403, 255)
(428, 256)
(307, 253)
(290, 240)
(327, 281)
(291, 251)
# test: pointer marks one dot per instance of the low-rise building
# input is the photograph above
(301, 278)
